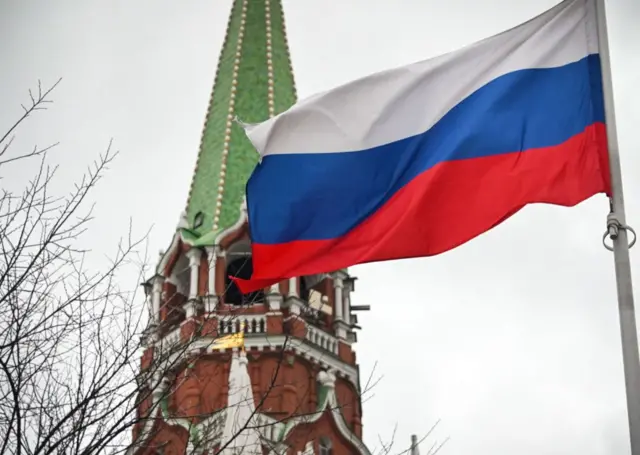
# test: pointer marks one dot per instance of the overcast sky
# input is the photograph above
(512, 340)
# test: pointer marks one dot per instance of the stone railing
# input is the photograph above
(322, 339)
(253, 323)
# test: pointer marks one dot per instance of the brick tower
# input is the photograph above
(293, 387)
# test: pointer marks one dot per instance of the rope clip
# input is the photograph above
(614, 226)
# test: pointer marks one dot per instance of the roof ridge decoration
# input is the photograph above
(254, 81)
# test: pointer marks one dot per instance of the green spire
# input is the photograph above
(254, 81)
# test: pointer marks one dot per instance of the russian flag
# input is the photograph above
(418, 160)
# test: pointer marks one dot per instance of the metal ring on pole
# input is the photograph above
(613, 227)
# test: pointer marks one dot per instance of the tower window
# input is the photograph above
(310, 282)
(304, 289)
(325, 446)
(240, 264)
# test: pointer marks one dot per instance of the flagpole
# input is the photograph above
(616, 229)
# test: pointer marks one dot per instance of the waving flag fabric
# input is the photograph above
(418, 160)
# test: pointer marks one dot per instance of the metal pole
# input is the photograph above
(630, 357)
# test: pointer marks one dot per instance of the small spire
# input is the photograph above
(414, 445)
(240, 431)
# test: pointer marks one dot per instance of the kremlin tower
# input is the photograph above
(273, 372)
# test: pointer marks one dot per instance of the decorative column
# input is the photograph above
(293, 287)
(339, 324)
(150, 333)
(274, 298)
(338, 286)
(156, 298)
(211, 301)
(298, 326)
(194, 255)
(346, 312)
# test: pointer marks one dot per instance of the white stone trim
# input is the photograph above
(169, 340)
(340, 275)
(338, 287)
(347, 304)
(156, 297)
(212, 257)
(274, 300)
(195, 256)
(293, 287)
(321, 338)
(338, 418)
(268, 427)
(210, 303)
(295, 305)
(271, 428)
(164, 259)
(342, 425)
(265, 342)
(190, 309)
(248, 319)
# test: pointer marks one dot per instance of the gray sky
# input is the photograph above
(511, 340)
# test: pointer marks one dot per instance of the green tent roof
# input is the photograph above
(254, 81)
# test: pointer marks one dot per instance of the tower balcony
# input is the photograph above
(192, 295)
(313, 311)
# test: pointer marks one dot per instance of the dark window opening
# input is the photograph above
(241, 267)
(304, 289)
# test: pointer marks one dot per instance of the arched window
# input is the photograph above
(239, 264)
(325, 447)
(309, 282)
(175, 292)
(304, 289)
(180, 275)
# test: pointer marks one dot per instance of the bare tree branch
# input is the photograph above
(71, 336)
